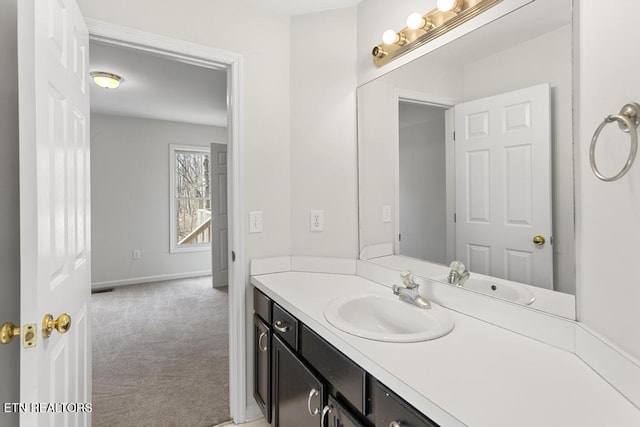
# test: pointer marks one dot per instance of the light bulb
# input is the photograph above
(446, 5)
(389, 37)
(415, 21)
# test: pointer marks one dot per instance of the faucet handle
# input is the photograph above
(408, 280)
(457, 266)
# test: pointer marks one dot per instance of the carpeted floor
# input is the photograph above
(161, 355)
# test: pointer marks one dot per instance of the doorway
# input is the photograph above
(229, 62)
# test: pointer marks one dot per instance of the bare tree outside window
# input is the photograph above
(193, 197)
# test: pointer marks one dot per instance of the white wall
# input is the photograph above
(130, 198)
(608, 223)
(376, 134)
(545, 59)
(263, 41)
(9, 207)
(422, 183)
(323, 133)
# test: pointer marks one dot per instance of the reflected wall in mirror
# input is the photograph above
(506, 85)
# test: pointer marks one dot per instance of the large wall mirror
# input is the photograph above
(466, 154)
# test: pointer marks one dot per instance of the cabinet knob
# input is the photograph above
(315, 411)
(281, 326)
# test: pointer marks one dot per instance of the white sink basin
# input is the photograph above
(509, 291)
(384, 317)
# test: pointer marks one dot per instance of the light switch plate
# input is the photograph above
(386, 213)
(255, 222)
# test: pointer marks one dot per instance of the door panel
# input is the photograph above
(503, 185)
(219, 215)
(55, 249)
(293, 384)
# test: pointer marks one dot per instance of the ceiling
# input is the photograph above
(155, 87)
(301, 7)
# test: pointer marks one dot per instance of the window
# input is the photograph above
(190, 198)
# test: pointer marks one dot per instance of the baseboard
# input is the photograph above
(618, 368)
(148, 279)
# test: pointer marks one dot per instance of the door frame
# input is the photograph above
(445, 102)
(233, 63)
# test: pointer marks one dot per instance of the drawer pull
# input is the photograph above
(327, 410)
(395, 424)
(281, 326)
(260, 347)
(315, 411)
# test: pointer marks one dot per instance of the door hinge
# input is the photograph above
(454, 135)
(233, 256)
(455, 218)
(399, 237)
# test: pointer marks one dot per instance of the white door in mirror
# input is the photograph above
(503, 185)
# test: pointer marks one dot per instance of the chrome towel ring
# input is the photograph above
(628, 120)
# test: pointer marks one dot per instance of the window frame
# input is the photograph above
(173, 227)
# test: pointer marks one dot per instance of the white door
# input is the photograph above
(503, 186)
(219, 213)
(55, 253)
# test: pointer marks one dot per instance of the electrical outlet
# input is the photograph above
(386, 213)
(316, 221)
(255, 222)
(135, 254)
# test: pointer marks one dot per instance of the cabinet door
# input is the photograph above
(340, 416)
(391, 410)
(298, 395)
(262, 366)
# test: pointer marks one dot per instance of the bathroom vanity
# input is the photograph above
(309, 373)
(302, 380)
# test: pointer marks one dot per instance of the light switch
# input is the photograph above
(255, 222)
(386, 213)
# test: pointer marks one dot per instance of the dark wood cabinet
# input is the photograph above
(262, 365)
(298, 394)
(339, 416)
(301, 380)
(391, 410)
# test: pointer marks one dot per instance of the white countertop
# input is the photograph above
(477, 375)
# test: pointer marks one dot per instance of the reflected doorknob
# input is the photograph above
(62, 324)
(539, 240)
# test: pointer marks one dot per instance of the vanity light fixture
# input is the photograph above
(421, 29)
(106, 80)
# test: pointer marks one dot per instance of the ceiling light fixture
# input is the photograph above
(421, 29)
(106, 80)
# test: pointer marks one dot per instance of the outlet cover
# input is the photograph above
(255, 222)
(316, 221)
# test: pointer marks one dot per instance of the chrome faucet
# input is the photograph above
(458, 274)
(409, 292)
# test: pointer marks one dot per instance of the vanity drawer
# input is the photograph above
(285, 326)
(346, 378)
(390, 408)
(262, 305)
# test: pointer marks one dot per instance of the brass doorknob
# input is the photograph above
(539, 240)
(8, 332)
(62, 324)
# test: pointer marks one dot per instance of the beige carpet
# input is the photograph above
(161, 355)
